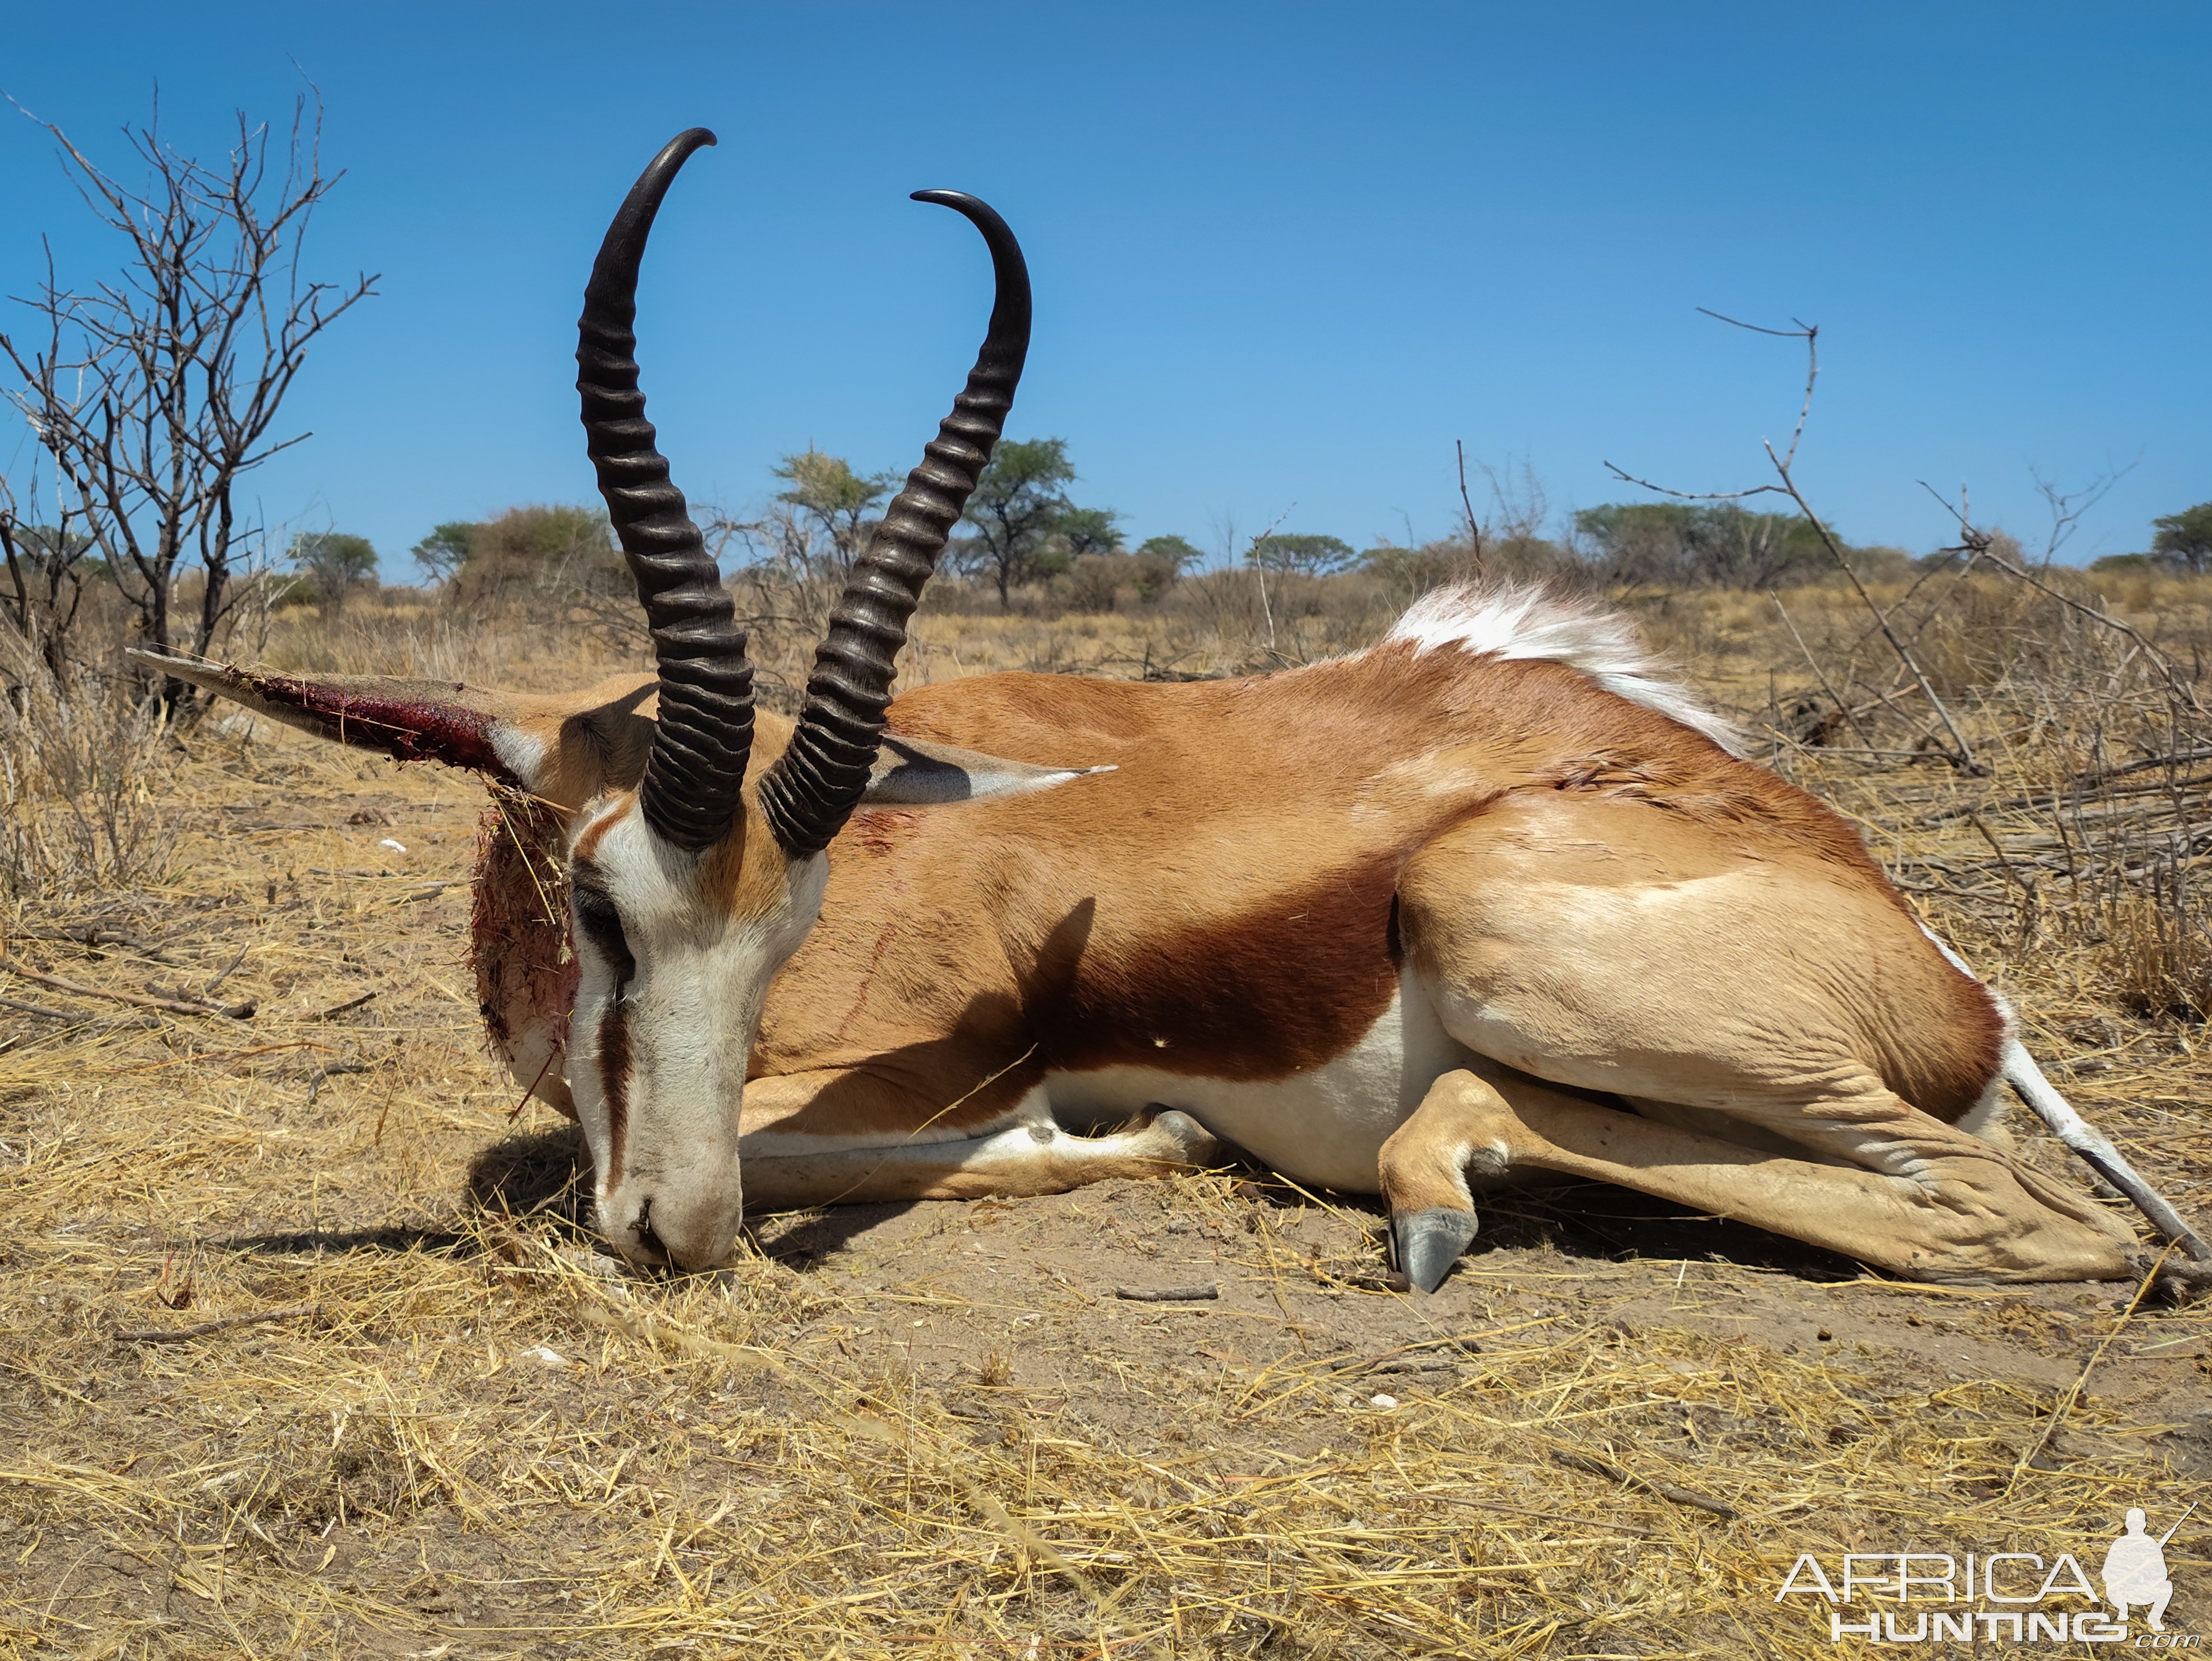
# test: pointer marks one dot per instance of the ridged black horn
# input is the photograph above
(814, 785)
(705, 732)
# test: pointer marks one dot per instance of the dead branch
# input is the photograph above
(1189, 1294)
(225, 973)
(1976, 545)
(224, 1324)
(41, 1011)
(1667, 1491)
(2058, 794)
(1809, 333)
(1847, 712)
(153, 394)
(1473, 525)
(236, 1011)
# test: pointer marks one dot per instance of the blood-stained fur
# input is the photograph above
(518, 943)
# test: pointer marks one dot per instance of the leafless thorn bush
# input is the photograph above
(153, 394)
(2085, 840)
(82, 765)
(1983, 548)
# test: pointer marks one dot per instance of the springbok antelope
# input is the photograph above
(1492, 898)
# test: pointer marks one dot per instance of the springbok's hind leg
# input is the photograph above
(1967, 1211)
(1425, 1164)
(1423, 1167)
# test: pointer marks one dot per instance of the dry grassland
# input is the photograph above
(421, 1416)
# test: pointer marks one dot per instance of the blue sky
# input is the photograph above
(1285, 255)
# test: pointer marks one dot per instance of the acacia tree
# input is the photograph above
(829, 507)
(333, 565)
(1299, 553)
(1017, 506)
(445, 550)
(156, 392)
(1081, 531)
(798, 555)
(2183, 540)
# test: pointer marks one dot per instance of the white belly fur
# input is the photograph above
(1324, 1126)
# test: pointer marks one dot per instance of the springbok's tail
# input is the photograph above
(2028, 1083)
(2095, 1150)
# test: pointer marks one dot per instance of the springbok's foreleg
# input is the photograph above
(1027, 1158)
(1965, 1212)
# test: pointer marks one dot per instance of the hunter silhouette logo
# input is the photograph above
(2135, 1570)
(2016, 1597)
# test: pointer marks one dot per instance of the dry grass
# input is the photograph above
(930, 1430)
(78, 814)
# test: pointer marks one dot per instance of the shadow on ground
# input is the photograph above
(548, 1173)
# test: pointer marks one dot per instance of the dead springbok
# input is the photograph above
(1492, 897)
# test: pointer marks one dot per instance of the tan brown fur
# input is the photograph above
(1803, 941)
(1279, 813)
(1979, 1214)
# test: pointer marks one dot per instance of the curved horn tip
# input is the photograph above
(1006, 253)
(973, 207)
(702, 738)
(813, 788)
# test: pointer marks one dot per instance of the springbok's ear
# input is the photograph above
(542, 745)
(408, 720)
(909, 773)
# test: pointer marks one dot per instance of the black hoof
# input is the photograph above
(1429, 1242)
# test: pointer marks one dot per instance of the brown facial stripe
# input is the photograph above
(586, 851)
(614, 1080)
(401, 728)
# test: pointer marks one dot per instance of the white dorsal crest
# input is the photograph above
(1510, 622)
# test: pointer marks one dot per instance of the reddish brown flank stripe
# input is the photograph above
(1280, 989)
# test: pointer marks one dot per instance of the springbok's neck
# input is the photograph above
(518, 930)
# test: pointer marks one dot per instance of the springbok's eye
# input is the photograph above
(602, 924)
